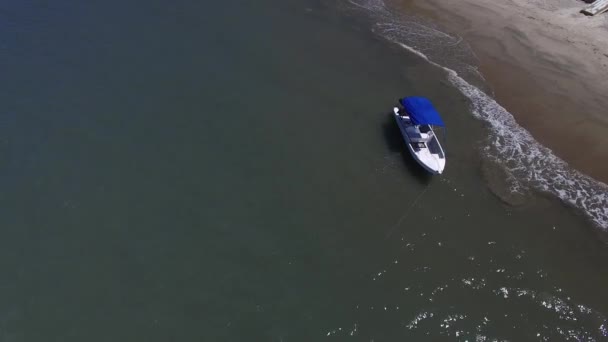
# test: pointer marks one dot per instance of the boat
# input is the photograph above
(416, 120)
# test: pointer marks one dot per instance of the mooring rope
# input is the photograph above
(404, 216)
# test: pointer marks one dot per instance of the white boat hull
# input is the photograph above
(424, 147)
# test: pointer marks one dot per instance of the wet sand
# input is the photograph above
(546, 63)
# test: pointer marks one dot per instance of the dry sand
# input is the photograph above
(546, 63)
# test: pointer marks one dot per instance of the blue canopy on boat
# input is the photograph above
(421, 111)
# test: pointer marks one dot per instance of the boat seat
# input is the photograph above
(424, 128)
(422, 137)
(414, 135)
(418, 145)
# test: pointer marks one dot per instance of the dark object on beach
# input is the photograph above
(598, 7)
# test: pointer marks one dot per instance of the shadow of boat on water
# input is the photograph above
(396, 143)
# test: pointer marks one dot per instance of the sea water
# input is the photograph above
(230, 171)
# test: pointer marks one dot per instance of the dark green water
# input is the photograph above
(195, 171)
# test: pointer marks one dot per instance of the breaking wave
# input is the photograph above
(528, 164)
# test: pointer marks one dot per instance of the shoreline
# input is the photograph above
(541, 65)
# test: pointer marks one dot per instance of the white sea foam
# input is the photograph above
(528, 164)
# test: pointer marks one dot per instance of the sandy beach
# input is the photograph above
(546, 63)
